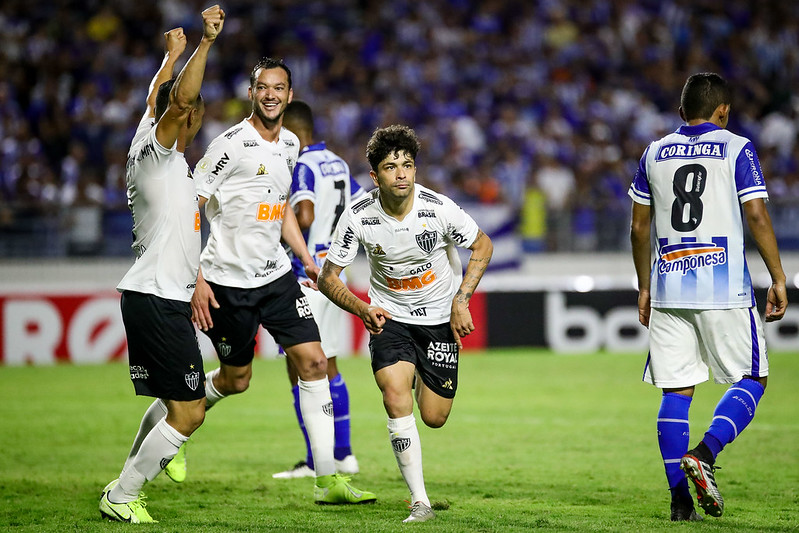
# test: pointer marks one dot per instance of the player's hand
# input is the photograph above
(312, 271)
(644, 307)
(776, 302)
(175, 41)
(202, 298)
(374, 318)
(213, 20)
(461, 322)
(310, 284)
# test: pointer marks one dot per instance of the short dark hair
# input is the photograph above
(162, 98)
(300, 113)
(702, 94)
(391, 140)
(267, 63)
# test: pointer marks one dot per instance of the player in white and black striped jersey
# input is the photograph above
(419, 302)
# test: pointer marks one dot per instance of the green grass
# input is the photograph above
(535, 441)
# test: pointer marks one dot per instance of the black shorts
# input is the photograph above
(431, 348)
(165, 359)
(280, 307)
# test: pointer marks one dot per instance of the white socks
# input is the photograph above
(316, 407)
(407, 448)
(157, 449)
(211, 394)
(154, 413)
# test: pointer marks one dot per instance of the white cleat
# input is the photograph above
(348, 465)
(420, 512)
(299, 470)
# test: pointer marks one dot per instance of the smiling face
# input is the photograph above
(270, 95)
(395, 176)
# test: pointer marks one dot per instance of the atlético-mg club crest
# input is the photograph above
(193, 380)
(427, 240)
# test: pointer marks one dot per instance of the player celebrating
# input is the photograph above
(321, 188)
(165, 360)
(245, 274)
(699, 305)
(420, 308)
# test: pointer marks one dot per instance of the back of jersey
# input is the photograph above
(324, 178)
(696, 180)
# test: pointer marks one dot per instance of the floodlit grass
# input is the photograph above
(535, 441)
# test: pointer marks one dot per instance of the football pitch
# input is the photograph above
(536, 441)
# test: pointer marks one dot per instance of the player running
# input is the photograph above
(419, 305)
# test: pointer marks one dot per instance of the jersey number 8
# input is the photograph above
(689, 184)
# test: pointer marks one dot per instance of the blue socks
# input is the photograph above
(673, 436)
(341, 417)
(733, 413)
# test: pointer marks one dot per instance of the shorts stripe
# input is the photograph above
(755, 345)
(671, 461)
(734, 427)
(646, 365)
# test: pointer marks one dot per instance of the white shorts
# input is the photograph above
(685, 343)
(333, 323)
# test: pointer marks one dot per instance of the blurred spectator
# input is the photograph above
(492, 87)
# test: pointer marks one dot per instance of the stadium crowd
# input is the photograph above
(543, 106)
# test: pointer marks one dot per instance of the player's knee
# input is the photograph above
(435, 420)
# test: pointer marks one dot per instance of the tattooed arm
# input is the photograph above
(461, 319)
(330, 285)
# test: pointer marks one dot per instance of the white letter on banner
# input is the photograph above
(95, 312)
(32, 331)
(559, 319)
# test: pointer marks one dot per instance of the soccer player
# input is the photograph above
(321, 188)
(165, 361)
(419, 305)
(245, 277)
(697, 297)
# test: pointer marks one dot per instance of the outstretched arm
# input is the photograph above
(330, 285)
(642, 257)
(461, 318)
(175, 45)
(763, 233)
(184, 93)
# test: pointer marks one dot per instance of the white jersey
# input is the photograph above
(166, 219)
(324, 179)
(696, 180)
(246, 180)
(411, 268)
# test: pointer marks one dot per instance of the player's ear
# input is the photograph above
(682, 115)
(373, 175)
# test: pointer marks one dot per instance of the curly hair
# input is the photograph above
(391, 140)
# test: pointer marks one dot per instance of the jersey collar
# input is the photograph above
(314, 147)
(699, 129)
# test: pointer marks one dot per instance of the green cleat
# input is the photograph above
(133, 512)
(176, 469)
(335, 489)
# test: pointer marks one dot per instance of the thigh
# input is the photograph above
(675, 352)
(235, 325)
(734, 342)
(332, 321)
(165, 360)
(286, 314)
(437, 358)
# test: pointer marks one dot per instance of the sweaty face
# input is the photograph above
(271, 94)
(395, 175)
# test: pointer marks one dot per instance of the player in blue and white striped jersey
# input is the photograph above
(697, 297)
(321, 188)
